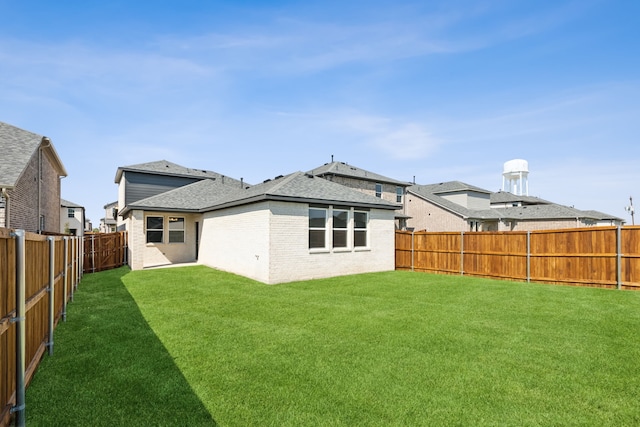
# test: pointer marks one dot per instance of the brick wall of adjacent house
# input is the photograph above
(533, 225)
(431, 217)
(24, 199)
(367, 187)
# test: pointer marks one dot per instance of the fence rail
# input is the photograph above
(606, 257)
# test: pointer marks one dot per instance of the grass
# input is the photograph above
(195, 346)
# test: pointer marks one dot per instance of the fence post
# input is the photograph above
(19, 320)
(64, 278)
(412, 250)
(93, 254)
(619, 257)
(72, 272)
(78, 261)
(50, 289)
(528, 256)
(462, 253)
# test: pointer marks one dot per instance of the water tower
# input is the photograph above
(515, 177)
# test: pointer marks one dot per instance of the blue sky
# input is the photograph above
(436, 90)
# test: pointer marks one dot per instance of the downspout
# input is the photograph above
(46, 142)
(5, 195)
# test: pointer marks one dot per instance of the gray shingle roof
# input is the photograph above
(507, 197)
(17, 147)
(300, 187)
(447, 187)
(344, 169)
(68, 204)
(164, 167)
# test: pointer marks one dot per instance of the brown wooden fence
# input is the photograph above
(38, 276)
(606, 257)
(104, 251)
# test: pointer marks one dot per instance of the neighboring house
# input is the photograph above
(367, 182)
(144, 180)
(457, 206)
(72, 218)
(30, 172)
(293, 227)
(109, 224)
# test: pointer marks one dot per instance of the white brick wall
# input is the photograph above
(268, 242)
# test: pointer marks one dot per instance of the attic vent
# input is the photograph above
(279, 176)
(308, 175)
(266, 180)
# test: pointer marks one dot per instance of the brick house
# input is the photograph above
(293, 227)
(30, 172)
(457, 206)
(367, 182)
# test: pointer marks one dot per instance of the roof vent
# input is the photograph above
(279, 176)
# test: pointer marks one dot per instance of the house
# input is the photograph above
(108, 224)
(367, 182)
(457, 206)
(145, 180)
(72, 218)
(294, 227)
(30, 173)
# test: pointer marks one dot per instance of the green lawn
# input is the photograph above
(194, 346)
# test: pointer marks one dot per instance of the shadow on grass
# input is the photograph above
(109, 368)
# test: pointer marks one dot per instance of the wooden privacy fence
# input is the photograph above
(38, 276)
(104, 251)
(607, 257)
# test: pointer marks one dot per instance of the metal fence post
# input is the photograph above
(52, 267)
(64, 278)
(19, 320)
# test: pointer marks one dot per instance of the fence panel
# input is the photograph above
(579, 256)
(104, 251)
(38, 316)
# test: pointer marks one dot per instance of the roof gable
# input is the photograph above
(350, 171)
(164, 167)
(18, 146)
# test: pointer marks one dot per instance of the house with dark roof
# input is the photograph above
(30, 172)
(457, 206)
(108, 223)
(72, 218)
(289, 228)
(368, 182)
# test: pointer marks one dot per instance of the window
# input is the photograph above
(317, 228)
(399, 193)
(154, 229)
(340, 224)
(71, 213)
(360, 221)
(176, 230)
(379, 190)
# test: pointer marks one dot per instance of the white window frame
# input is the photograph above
(360, 229)
(174, 231)
(318, 229)
(344, 230)
(399, 194)
(147, 229)
(71, 213)
(379, 190)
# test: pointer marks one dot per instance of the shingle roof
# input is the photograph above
(17, 147)
(344, 169)
(300, 187)
(507, 197)
(68, 204)
(447, 187)
(164, 167)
